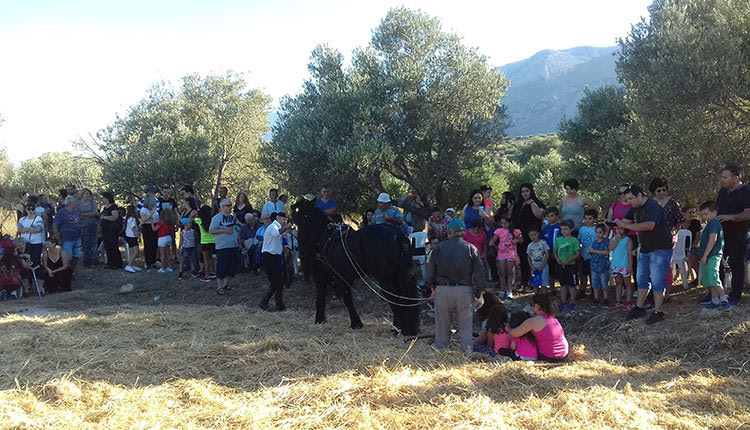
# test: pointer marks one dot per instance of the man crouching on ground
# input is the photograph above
(454, 273)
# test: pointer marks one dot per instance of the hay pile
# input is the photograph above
(200, 366)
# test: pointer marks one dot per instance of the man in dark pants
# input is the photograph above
(454, 273)
(271, 259)
(733, 205)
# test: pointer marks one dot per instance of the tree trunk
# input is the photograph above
(219, 174)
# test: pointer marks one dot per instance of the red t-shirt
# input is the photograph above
(164, 230)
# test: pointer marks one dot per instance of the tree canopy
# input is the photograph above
(416, 104)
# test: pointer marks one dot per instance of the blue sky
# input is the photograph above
(68, 67)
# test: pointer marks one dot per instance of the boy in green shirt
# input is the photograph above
(710, 251)
(567, 249)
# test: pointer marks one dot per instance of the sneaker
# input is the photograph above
(179, 275)
(713, 305)
(706, 300)
(509, 295)
(571, 307)
(195, 274)
(615, 305)
(626, 306)
(725, 306)
(130, 269)
(560, 307)
(168, 269)
(734, 302)
(655, 317)
(137, 269)
(3, 295)
(501, 294)
(161, 271)
(605, 303)
(595, 303)
(204, 279)
(636, 312)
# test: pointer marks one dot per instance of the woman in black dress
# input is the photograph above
(56, 266)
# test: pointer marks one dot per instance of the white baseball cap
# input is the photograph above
(384, 198)
(450, 210)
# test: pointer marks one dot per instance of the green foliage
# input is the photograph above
(689, 84)
(415, 103)
(205, 133)
(51, 171)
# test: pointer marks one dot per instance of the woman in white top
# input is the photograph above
(31, 228)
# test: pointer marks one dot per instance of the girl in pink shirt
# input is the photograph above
(477, 237)
(525, 346)
(497, 339)
(507, 239)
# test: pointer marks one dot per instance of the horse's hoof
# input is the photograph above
(320, 321)
(357, 326)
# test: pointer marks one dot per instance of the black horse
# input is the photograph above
(380, 251)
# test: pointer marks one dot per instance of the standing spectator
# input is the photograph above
(475, 209)
(189, 191)
(150, 190)
(132, 233)
(71, 190)
(573, 205)
(388, 214)
(167, 202)
(222, 194)
(23, 198)
(273, 204)
(489, 205)
(325, 202)
(111, 228)
(89, 228)
(599, 252)
(659, 187)
(242, 207)
(733, 205)
(247, 236)
(648, 218)
(164, 233)
(225, 229)
(437, 227)
(710, 250)
(476, 236)
(454, 273)
(529, 212)
(48, 211)
(149, 218)
(414, 211)
(67, 230)
(450, 213)
(550, 233)
(587, 236)
(507, 239)
(537, 252)
(62, 193)
(366, 218)
(208, 242)
(188, 239)
(272, 259)
(31, 228)
(566, 251)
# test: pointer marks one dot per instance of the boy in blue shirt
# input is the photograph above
(550, 232)
(710, 251)
(587, 236)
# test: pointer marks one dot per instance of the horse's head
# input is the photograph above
(302, 211)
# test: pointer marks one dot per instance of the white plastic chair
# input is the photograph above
(419, 252)
(679, 255)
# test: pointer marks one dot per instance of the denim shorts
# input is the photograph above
(599, 280)
(73, 249)
(187, 252)
(653, 268)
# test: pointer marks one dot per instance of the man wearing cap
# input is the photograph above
(454, 274)
(386, 213)
(224, 227)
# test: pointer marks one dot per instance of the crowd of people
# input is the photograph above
(621, 258)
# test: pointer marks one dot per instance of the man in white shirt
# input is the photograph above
(271, 259)
(273, 204)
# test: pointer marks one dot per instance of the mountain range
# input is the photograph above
(545, 87)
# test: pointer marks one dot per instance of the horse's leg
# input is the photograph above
(408, 314)
(321, 283)
(346, 294)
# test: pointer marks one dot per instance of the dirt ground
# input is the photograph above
(74, 360)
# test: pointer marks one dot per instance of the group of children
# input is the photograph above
(607, 253)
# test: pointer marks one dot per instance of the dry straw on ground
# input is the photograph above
(91, 360)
